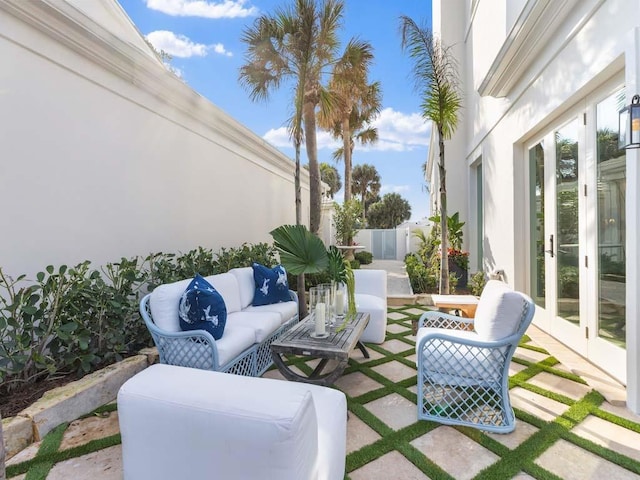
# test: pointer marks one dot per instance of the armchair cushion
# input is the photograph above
(201, 307)
(499, 311)
(271, 285)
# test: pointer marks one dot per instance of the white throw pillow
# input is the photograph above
(499, 311)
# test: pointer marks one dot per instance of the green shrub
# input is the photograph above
(364, 257)
(477, 282)
(355, 264)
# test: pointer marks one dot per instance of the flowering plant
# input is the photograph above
(459, 257)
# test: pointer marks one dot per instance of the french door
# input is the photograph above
(577, 191)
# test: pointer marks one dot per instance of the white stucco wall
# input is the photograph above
(104, 154)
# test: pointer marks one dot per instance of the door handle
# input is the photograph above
(550, 251)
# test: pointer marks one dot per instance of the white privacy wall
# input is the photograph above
(104, 154)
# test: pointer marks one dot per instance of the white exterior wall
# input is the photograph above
(104, 154)
(591, 43)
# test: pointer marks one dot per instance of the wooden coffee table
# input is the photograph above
(337, 346)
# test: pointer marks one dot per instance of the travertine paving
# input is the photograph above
(553, 437)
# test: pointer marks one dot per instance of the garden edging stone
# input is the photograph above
(67, 403)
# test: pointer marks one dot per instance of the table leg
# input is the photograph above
(363, 349)
(316, 378)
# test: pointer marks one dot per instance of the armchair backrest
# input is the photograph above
(371, 282)
(502, 312)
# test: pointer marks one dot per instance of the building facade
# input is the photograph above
(535, 168)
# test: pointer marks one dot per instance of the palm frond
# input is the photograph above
(300, 250)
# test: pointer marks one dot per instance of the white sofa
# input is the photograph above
(371, 297)
(244, 346)
(180, 422)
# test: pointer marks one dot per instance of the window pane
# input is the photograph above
(536, 165)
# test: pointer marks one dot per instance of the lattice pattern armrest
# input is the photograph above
(195, 349)
(434, 319)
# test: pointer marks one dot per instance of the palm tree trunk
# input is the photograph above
(298, 192)
(315, 194)
(346, 147)
(2, 469)
(444, 255)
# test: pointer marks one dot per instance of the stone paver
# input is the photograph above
(541, 407)
(90, 428)
(455, 453)
(356, 384)
(359, 434)
(395, 328)
(390, 465)
(415, 311)
(396, 346)
(523, 476)
(529, 355)
(396, 315)
(560, 385)
(104, 465)
(27, 454)
(511, 440)
(571, 462)
(609, 435)
(395, 371)
(620, 411)
(515, 368)
(394, 410)
(358, 357)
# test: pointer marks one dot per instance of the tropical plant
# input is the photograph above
(477, 282)
(390, 212)
(366, 182)
(355, 103)
(364, 257)
(346, 219)
(297, 43)
(454, 229)
(329, 175)
(436, 80)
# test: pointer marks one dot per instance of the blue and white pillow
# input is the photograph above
(271, 285)
(201, 307)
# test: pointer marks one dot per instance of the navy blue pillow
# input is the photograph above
(201, 307)
(271, 285)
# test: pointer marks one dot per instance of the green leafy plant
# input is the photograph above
(477, 282)
(364, 257)
(346, 219)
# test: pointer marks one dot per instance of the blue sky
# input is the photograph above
(203, 36)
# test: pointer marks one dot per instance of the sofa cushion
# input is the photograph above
(164, 305)
(236, 339)
(201, 307)
(262, 323)
(286, 310)
(271, 285)
(499, 311)
(246, 284)
(227, 285)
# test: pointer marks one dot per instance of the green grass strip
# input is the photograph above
(56, 457)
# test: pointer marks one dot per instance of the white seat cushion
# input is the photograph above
(262, 323)
(286, 310)
(499, 312)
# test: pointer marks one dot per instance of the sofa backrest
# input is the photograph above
(371, 282)
(246, 284)
(165, 298)
(500, 311)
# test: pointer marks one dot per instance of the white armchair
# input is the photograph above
(179, 422)
(371, 297)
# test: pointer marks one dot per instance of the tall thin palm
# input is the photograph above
(436, 80)
(296, 42)
(366, 181)
(356, 102)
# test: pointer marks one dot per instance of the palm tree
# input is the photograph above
(296, 43)
(355, 103)
(436, 80)
(329, 174)
(366, 181)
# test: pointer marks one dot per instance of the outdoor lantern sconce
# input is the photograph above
(629, 126)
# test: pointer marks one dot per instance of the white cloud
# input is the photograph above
(176, 45)
(219, 48)
(203, 8)
(279, 137)
(400, 131)
(394, 188)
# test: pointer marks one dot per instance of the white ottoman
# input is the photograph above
(179, 422)
(371, 298)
